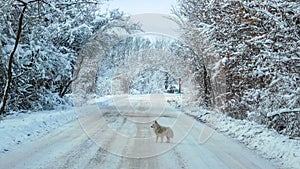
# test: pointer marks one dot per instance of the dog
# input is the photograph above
(162, 131)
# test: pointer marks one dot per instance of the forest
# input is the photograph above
(252, 54)
(245, 61)
(49, 36)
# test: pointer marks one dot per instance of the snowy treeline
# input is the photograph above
(252, 54)
(52, 34)
(144, 63)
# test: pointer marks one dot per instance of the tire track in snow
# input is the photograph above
(137, 163)
(103, 157)
(181, 162)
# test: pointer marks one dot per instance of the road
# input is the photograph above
(118, 136)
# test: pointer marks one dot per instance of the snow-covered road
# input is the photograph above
(110, 136)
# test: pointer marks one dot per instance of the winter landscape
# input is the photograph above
(82, 82)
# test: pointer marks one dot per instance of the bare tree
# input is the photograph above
(11, 58)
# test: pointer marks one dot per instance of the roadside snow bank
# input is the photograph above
(21, 128)
(268, 143)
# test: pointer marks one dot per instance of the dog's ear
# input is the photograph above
(155, 121)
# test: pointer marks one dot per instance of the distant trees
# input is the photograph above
(94, 54)
(140, 63)
(254, 50)
(53, 34)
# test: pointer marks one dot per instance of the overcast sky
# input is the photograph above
(134, 7)
(152, 14)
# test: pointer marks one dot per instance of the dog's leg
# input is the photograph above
(156, 138)
(168, 139)
(161, 139)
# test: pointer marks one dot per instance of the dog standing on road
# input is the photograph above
(162, 131)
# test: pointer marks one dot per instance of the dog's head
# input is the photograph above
(155, 125)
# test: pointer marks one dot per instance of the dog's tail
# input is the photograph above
(170, 133)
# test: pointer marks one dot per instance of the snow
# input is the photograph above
(21, 128)
(282, 150)
(265, 142)
(278, 112)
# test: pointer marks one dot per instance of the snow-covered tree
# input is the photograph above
(257, 43)
(53, 34)
(141, 63)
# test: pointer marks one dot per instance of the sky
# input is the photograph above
(152, 14)
(134, 7)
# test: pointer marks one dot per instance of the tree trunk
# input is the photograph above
(167, 81)
(10, 62)
(206, 84)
